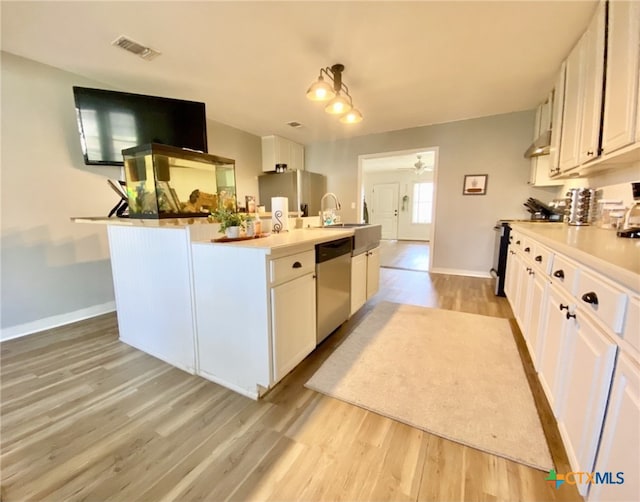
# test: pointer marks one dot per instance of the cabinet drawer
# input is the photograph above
(542, 257)
(290, 267)
(601, 299)
(631, 332)
(565, 273)
(527, 246)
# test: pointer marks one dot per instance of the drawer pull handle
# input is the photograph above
(539, 258)
(527, 249)
(531, 272)
(518, 242)
(563, 307)
(590, 297)
(570, 316)
(297, 265)
(559, 274)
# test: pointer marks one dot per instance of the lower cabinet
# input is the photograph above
(619, 452)
(554, 346)
(365, 278)
(373, 272)
(293, 318)
(588, 367)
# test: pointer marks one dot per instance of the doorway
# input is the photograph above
(398, 191)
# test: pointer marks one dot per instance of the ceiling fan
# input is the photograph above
(419, 167)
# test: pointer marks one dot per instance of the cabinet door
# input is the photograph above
(373, 272)
(293, 323)
(296, 154)
(556, 121)
(589, 366)
(572, 116)
(554, 346)
(358, 282)
(537, 308)
(510, 281)
(592, 82)
(619, 451)
(621, 90)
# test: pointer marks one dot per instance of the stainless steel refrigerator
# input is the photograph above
(303, 189)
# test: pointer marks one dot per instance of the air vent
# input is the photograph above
(294, 124)
(146, 53)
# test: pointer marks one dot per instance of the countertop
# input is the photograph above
(598, 248)
(311, 236)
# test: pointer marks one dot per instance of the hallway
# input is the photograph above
(405, 255)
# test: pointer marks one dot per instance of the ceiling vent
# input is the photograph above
(294, 124)
(146, 53)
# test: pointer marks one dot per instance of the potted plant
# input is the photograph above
(230, 222)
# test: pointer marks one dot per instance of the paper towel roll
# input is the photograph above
(279, 214)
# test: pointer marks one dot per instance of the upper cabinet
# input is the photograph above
(599, 112)
(540, 165)
(556, 121)
(279, 150)
(583, 96)
(621, 93)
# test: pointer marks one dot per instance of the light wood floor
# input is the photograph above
(85, 417)
(405, 255)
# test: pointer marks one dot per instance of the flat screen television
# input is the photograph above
(110, 121)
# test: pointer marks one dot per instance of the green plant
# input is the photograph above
(228, 218)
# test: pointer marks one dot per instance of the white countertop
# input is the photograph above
(304, 236)
(601, 249)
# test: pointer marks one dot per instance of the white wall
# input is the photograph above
(405, 179)
(55, 271)
(464, 237)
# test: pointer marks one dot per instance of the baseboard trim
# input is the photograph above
(455, 271)
(32, 327)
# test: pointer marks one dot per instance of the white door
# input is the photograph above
(384, 209)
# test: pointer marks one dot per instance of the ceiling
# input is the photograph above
(408, 64)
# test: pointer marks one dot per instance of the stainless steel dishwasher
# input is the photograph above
(333, 285)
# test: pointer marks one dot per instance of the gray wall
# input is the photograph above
(464, 237)
(55, 271)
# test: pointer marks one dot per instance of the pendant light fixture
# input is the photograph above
(338, 97)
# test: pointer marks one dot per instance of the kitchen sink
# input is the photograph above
(365, 236)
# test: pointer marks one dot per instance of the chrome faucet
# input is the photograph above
(336, 208)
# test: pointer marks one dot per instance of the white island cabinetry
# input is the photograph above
(365, 277)
(255, 315)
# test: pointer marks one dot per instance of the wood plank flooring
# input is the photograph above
(405, 255)
(87, 418)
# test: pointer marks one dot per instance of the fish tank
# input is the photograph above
(170, 182)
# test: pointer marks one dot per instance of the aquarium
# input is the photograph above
(169, 182)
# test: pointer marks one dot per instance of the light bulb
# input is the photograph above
(352, 117)
(338, 106)
(320, 91)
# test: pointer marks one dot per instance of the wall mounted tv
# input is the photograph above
(111, 121)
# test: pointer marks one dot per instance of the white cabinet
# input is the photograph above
(592, 82)
(540, 165)
(365, 277)
(278, 150)
(554, 346)
(358, 282)
(556, 121)
(588, 366)
(572, 114)
(373, 272)
(583, 96)
(621, 93)
(619, 451)
(293, 318)
(255, 315)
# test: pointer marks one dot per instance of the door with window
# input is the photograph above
(384, 209)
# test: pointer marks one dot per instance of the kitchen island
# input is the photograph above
(239, 313)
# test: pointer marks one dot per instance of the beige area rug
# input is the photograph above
(452, 374)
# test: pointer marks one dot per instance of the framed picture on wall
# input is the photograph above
(475, 184)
